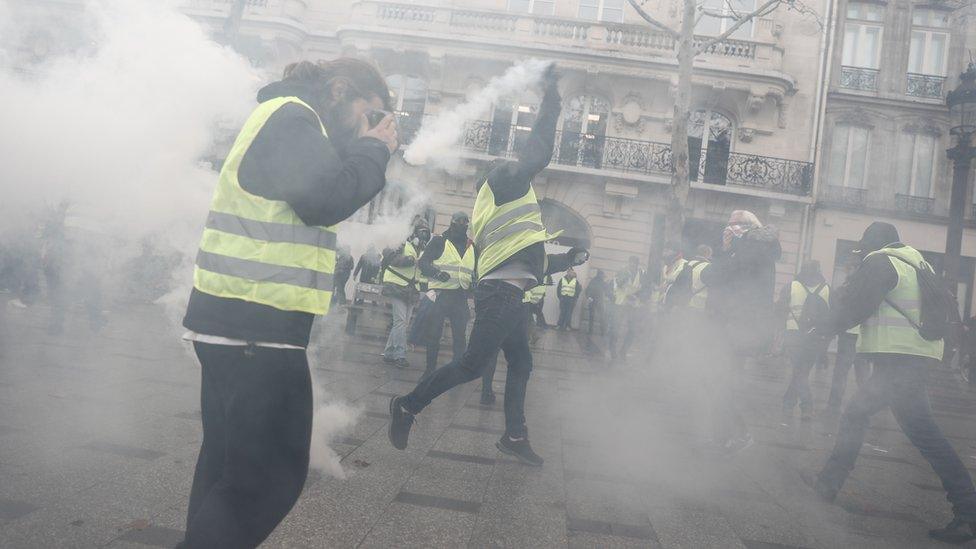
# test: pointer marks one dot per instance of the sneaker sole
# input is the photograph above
(503, 449)
(389, 427)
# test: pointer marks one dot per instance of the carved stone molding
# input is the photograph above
(746, 134)
(857, 117)
(923, 127)
(631, 113)
(755, 102)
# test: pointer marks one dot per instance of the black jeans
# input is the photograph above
(499, 322)
(452, 305)
(803, 356)
(256, 405)
(566, 307)
(899, 381)
(846, 358)
(598, 313)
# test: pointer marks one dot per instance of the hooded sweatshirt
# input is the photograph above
(323, 180)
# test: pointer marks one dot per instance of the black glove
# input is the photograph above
(578, 256)
(443, 277)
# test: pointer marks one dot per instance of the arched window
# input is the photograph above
(709, 134)
(511, 123)
(409, 95)
(584, 131)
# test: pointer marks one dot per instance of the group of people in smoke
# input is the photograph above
(308, 158)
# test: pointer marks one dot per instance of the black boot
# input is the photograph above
(487, 397)
(956, 532)
(520, 449)
(400, 423)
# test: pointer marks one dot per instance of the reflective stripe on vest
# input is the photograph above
(502, 231)
(798, 298)
(699, 293)
(402, 276)
(535, 295)
(887, 331)
(568, 289)
(259, 250)
(461, 269)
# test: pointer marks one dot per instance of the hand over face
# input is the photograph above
(385, 131)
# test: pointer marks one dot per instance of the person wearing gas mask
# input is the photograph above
(401, 281)
(741, 314)
(509, 239)
(306, 158)
(448, 263)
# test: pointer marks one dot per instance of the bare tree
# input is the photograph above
(687, 50)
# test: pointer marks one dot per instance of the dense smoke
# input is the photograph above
(436, 141)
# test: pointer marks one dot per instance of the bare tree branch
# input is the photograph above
(728, 4)
(654, 22)
(767, 7)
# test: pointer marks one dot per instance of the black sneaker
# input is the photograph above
(388, 360)
(520, 449)
(824, 491)
(487, 399)
(956, 532)
(401, 363)
(400, 423)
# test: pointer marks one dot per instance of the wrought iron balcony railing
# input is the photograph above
(844, 196)
(643, 157)
(914, 204)
(859, 78)
(925, 85)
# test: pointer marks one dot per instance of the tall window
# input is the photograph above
(719, 15)
(584, 131)
(537, 7)
(930, 42)
(511, 123)
(916, 164)
(603, 10)
(710, 133)
(848, 157)
(409, 95)
(862, 35)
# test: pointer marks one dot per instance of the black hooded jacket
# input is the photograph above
(741, 283)
(322, 180)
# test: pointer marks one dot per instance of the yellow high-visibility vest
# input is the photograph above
(798, 298)
(535, 295)
(502, 231)
(622, 291)
(403, 276)
(259, 250)
(699, 292)
(887, 330)
(460, 268)
(567, 288)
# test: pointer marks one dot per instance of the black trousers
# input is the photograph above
(566, 307)
(846, 359)
(499, 322)
(452, 305)
(803, 354)
(899, 382)
(256, 405)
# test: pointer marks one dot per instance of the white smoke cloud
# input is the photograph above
(436, 142)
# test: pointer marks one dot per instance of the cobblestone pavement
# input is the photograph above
(99, 434)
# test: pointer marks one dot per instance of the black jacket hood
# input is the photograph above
(876, 236)
(289, 88)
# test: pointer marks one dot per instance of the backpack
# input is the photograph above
(815, 309)
(938, 310)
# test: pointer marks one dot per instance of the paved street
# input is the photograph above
(99, 434)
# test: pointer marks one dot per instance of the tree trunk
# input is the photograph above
(680, 183)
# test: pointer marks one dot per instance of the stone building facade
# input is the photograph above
(756, 103)
(887, 129)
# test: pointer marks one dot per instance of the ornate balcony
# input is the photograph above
(859, 78)
(617, 154)
(595, 37)
(920, 205)
(925, 85)
(844, 196)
